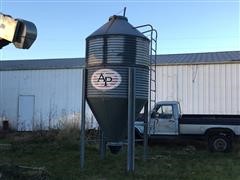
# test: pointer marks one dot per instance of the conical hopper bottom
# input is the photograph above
(112, 115)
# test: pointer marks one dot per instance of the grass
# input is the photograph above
(165, 161)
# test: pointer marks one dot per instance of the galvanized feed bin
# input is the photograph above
(110, 51)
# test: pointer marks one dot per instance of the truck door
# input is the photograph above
(163, 121)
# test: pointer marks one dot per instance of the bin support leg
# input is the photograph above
(131, 120)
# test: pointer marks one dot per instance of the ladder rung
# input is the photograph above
(146, 31)
(154, 40)
(153, 50)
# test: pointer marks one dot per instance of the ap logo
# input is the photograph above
(105, 79)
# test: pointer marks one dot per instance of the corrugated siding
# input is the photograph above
(212, 88)
(57, 95)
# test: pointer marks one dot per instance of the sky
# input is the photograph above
(184, 26)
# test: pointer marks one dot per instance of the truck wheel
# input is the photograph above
(219, 143)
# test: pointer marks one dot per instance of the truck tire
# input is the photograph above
(220, 143)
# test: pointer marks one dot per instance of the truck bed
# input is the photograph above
(213, 119)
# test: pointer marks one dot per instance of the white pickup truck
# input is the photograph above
(167, 121)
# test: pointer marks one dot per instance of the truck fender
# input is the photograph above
(220, 131)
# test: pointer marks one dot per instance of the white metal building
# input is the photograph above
(42, 94)
(203, 83)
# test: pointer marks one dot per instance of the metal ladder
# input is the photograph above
(151, 33)
(153, 69)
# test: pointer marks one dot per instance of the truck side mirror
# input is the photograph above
(155, 115)
(25, 35)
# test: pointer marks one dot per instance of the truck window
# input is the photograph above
(165, 111)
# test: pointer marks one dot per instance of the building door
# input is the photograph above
(25, 112)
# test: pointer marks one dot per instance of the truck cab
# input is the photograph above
(164, 119)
